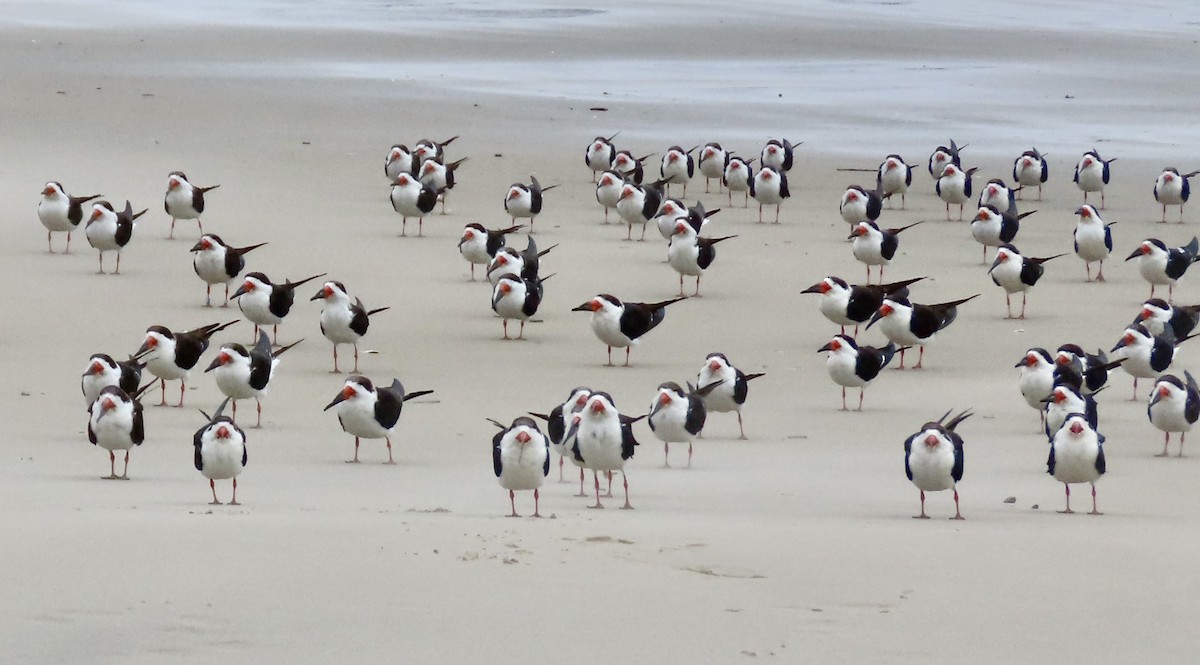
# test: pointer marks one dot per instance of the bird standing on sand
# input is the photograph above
(933, 459)
(220, 452)
(860, 205)
(954, 186)
(600, 154)
(738, 176)
(517, 298)
(413, 198)
(1077, 456)
(942, 157)
(184, 200)
(216, 262)
(689, 254)
(712, 163)
(426, 149)
(629, 167)
(1174, 407)
(242, 374)
(873, 246)
(912, 324)
(778, 154)
(1092, 174)
(894, 177)
(399, 160)
(1036, 382)
(115, 423)
(1172, 189)
(264, 303)
(521, 459)
(1093, 239)
(677, 416)
(103, 372)
(439, 177)
(677, 168)
(525, 201)
(1157, 315)
(170, 356)
(479, 245)
(1031, 169)
(769, 187)
(622, 324)
(731, 390)
(1146, 355)
(558, 422)
(60, 213)
(638, 205)
(367, 412)
(851, 305)
(854, 366)
(608, 191)
(342, 321)
(602, 439)
(110, 231)
(1016, 274)
(1159, 265)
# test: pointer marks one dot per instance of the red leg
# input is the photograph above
(389, 445)
(608, 494)
(860, 399)
(335, 365)
(560, 469)
(212, 485)
(355, 460)
(536, 510)
(1095, 511)
(1182, 435)
(125, 469)
(741, 430)
(112, 466)
(163, 389)
(689, 455)
(957, 512)
(666, 455)
(356, 357)
(182, 388)
(1068, 489)
(581, 479)
(596, 480)
(1166, 442)
(258, 403)
(627, 350)
(922, 516)
(625, 480)
(512, 501)
(234, 501)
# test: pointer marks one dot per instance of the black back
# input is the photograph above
(388, 404)
(260, 362)
(359, 321)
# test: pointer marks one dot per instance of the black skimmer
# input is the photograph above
(631, 168)
(873, 246)
(1174, 407)
(942, 157)
(1017, 274)
(413, 198)
(737, 178)
(523, 263)
(677, 167)
(115, 423)
(731, 389)
(677, 416)
(778, 154)
(1030, 169)
(103, 372)
(1065, 399)
(517, 298)
(265, 303)
(1036, 382)
(912, 324)
(999, 195)
(170, 356)
(184, 200)
(1093, 239)
(220, 452)
(1089, 372)
(1092, 174)
(933, 459)
(954, 186)
(851, 305)
(668, 211)
(61, 213)
(1077, 456)
(689, 254)
(110, 231)
(558, 422)
(367, 412)
(243, 374)
(712, 163)
(602, 440)
(216, 262)
(894, 177)
(639, 205)
(1172, 189)
(1159, 265)
(1158, 316)
(439, 177)
(860, 205)
(399, 160)
(622, 324)
(525, 201)
(992, 228)
(342, 321)
(608, 190)
(854, 366)
(425, 149)
(521, 459)
(479, 245)
(600, 154)
(769, 187)
(1146, 355)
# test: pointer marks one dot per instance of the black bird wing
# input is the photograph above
(260, 362)
(1191, 407)
(956, 471)
(627, 440)
(784, 192)
(388, 403)
(359, 319)
(282, 297)
(889, 244)
(1031, 272)
(138, 434)
(707, 252)
(1050, 459)
(533, 296)
(197, 458)
(741, 385)
(870, 360)
(131, 376)
(696, 415)
(640, 318)
(496, 465)
(91, 434)
(555, 426)
(908, 451)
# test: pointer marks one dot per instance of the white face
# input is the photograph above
(951, 170)
(598, 407)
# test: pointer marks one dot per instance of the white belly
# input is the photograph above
(335, 322)
(522, 466)
(931, 468)
(256, 305)
(222, 459)
(210, 266)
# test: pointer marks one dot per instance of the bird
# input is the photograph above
(1092, 174)
(712, 162)
(622, 324)
(860, 204)
(558, 422)
(689, 254)
(525, 201)
(933, 459)
(413, 198)
(677, 416)
(1146, 355)
(942, 157)
(1093, 239)
(1077, 456)
(677, 167)
(108, 230)
(522, 263)
(479, 245)
(1172, 189)
(1036, 381)
(874, 246)
(854, 366)
(1017, 274)
(631, 168)
(851, 305)
(220, 451)
(1091, 370)
(1031, 169)
(639, 205)
(517, 298)
(367, 412)
(738, 176)
(1157, 315)
(668, 211)
(439, 177)
(521, 459)
(115, 422)
(999, 195)
(913, 324)
(399, 160)
(954, 186)
(265, 303)
(342, 321)
(769, 187)
(60, 212)
(184, 200)
(170, 356)
(425, 150)
(216, 262)
(731, 390)
(608, 191)
(242, 374)
(600, 155)
(1174, 407)
(1064, 400)
(602, 440)
(894, 177)
(1159, 265)
(103, 372)
(778, 154)
(992, 228)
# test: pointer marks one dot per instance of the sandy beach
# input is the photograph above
(797, 545)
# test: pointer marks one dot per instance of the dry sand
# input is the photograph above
(795, 546)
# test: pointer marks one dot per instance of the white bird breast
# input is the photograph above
(931, 466)
(52, 211)
(1168, 413)
(210, 265)
(510, 305)
(953, 188)
(1008, 276)
(720, 399)
(1170, 193)
(1089, 236)
(256, 305)
(896, 328)
(521, 467)
(335, 320)
(222, 458)
(113, 430)
(868, 249)
(600, 442)
(669, 422)
(1075, 456)
(608, 195)
(606, 324)
(102, 233)
(522, 206)
(684, 254)
(475, 249)
(1153, 267)
(840, 366)
(854, 211)
(357, 415)
(1091, 178)
(179, 203)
